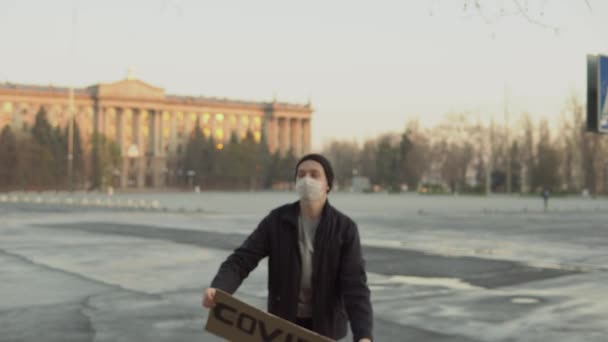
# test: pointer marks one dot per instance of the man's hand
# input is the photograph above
(209, 298)
(365, 340)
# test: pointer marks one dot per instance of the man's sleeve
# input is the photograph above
(353, 281)
(243, 260)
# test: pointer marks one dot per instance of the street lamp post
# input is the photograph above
(71, 109)
(71, 141)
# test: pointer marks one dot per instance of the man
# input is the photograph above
(316, 271)
(546, 194)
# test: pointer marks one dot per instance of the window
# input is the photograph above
(220, 146)
(245, 120)
(219, 117)
(257, 135)
(166, 116)
(207, 132)
(8, 107)
(219, 134)
(257, 121)
(206, 117)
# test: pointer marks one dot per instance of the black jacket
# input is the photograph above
(339, 280)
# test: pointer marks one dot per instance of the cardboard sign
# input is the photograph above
(237, 321)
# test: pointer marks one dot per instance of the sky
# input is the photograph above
(367, 66)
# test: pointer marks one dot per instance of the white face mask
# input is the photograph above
(309, 189)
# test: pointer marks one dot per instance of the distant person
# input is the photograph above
(546, 194)
(316, 271)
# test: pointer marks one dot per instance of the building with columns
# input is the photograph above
(151, 127)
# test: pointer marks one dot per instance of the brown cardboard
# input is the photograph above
(237, 321)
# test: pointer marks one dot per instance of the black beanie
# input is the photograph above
(329, 172)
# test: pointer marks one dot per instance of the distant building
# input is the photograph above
(151, 127)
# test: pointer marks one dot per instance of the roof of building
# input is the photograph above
(92, 92)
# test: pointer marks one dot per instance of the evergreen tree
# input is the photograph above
(273, 168)
(287, 166)
(59, 152)
(8, 158)
(193, 157)
(42, 131)
(405, 147)
(106, 161)
(50, 141)
(388, 162)
(546, 169)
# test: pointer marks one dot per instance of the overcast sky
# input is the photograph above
(368, 66)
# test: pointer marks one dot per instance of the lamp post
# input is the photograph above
(71, 109)
(71, 140)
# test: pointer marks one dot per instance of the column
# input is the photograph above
(137, 133)
(99, 123)
(138, 140)
(173, 132)
(228, 129)
(225, 125)
(162, 125)
(273, 135)
(306, 136)
(157, 132)
(120, 130)
(80, 119)
(188, 127)
(171, 143)
(157, 155)
(284, 135)
(241, 128)
(213, 126)
(105, 121)
(296, 136)
(18, 117)
(120, 140)
(258, 123)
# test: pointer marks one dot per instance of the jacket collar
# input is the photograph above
(292, 211)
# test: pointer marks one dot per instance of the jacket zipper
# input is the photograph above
(316, 286)
(296, 237)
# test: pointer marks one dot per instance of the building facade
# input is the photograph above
(151, 127)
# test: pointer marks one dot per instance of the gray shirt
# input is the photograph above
(306, 232)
